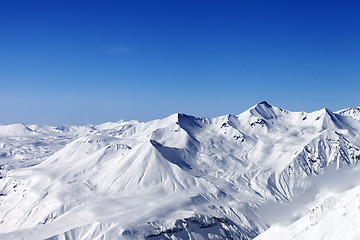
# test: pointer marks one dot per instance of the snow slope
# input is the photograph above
(331, 211)
(181, 177)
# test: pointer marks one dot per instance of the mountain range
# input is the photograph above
(267, 173)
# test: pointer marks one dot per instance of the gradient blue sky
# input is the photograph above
(79, 62)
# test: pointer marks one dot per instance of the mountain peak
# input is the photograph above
(328, 111)
(265, 103)
(264, 110)
(18, 129)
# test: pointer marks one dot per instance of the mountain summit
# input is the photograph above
(264, 110)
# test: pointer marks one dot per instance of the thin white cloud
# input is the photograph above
(116, 49)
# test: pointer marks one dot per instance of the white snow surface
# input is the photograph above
(267, 173)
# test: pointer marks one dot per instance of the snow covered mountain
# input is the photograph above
(181, 177)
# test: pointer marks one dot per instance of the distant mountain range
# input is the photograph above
(266, 173)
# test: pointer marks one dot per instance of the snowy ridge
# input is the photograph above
(351, 112)
(180, 177)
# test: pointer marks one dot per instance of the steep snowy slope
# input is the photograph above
(180, 177)
(330, 209)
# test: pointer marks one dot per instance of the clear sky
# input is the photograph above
(79, 62)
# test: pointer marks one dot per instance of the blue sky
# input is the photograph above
(79, 62)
